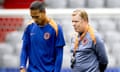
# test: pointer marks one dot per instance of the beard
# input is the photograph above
(42, 22)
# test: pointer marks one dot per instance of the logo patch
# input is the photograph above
(32, 34)
(84, 41)
(46, 35)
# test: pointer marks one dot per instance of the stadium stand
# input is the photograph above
(112, 3)
(14, 4)
(13, 23)
(76, 3)
(22, 4)
(97, 3)
(56, 3)
(9, 24)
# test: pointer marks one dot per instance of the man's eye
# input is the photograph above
(35, 16)
(75, 21)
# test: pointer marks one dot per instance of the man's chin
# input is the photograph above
(76, 31)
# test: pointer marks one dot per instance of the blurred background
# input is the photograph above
(104, 16)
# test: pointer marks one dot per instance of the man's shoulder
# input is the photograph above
(99, 37)
(95, 36)
(28, 27)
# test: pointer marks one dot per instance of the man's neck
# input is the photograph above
(80, 33)
(44, 22)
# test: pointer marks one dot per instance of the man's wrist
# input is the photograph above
(22, 67)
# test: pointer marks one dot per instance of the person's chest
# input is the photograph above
(42, 34)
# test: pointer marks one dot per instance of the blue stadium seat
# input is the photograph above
(113, 70)
(9, 70)
(65, 70)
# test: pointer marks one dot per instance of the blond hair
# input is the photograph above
(82, 13)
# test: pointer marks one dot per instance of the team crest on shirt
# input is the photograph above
(46, 35)
(84, 41)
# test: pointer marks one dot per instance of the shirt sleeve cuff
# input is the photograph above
(21, 67)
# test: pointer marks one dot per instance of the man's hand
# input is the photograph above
(23, 70)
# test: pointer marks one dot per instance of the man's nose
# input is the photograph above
(73, 23)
